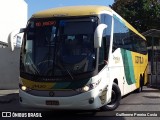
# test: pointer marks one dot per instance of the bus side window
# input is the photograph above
(128, 43)
(139, 45)
(143, 47)
(104, 50)
(121, 37)
(102, 53)
(106, 19)
(105, 45)
(117, 35)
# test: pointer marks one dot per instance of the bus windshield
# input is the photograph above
(58, 47)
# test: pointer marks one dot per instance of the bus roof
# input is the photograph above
(71, 11)
(81, 11)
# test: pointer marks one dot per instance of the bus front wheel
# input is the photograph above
(115, 99)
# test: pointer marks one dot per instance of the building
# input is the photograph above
(153, 43)
(13, 16)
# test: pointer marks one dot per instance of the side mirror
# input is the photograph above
(98, 35)
(13, 37)
(22, 30)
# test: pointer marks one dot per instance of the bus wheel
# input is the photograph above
(115, 99)
(141, 82)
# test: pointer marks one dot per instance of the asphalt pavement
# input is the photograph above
(146, 102)
(7, 96)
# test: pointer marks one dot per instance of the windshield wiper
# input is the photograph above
(68, 71)
(61, 65)
(34, 69)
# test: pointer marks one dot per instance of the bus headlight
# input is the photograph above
(24, 88)
(85, 88)
(89, 87)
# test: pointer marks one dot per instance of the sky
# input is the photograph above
(39, 5)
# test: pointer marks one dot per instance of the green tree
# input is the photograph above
(141, 14)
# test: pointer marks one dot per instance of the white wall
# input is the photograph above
(13, 15)
(9, 68)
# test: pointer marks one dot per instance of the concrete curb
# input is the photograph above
(7, 96)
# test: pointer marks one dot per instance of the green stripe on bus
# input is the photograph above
(61, 85)
(128, 66)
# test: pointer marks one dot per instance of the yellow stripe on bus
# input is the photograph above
(38, 85)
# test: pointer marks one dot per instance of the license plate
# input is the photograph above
(52, 102)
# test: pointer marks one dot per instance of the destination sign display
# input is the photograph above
(45, 23)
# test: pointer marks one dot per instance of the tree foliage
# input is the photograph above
(141, 14)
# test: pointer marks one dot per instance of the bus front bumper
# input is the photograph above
(84, 101)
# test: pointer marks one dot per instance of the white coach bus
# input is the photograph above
(80, 57)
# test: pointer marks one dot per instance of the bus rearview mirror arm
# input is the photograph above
(98, 35)
(22, 30)
(13, 35)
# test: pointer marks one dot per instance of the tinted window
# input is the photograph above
(58, 47)
(139, 45)
(127, 39)
(104, 49)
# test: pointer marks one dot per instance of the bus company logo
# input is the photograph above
(116, 59)
(51, 94)
(139, 60)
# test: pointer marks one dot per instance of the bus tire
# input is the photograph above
(115, 99)
(141, 83)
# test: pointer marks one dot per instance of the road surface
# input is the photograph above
(136, 104)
